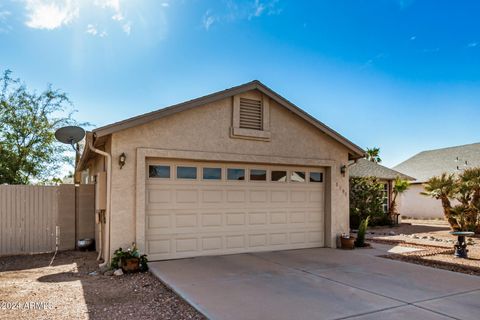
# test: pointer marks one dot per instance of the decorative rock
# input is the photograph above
(424, 237)
(431, 238)
(108, 273)
(94, 273)
(118, 272)
(415, 236)
(391, 233)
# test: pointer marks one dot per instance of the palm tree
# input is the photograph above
(443, 188)
(373, 154)
(399, 187)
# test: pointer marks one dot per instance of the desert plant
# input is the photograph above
(362, 230)
(443, 188)
(463, 189)
(373, 154)
(399, 186)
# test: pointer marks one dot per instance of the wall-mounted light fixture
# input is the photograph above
(343, 170)
(122, 160)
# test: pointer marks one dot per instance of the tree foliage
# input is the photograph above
(399, 186)
(366, 199)
(373, 155)
(464, 191)
(28, 150)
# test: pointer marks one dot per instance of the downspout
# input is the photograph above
(107, 207)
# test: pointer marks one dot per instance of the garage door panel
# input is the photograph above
(195, 217)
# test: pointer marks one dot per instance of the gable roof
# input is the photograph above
(355, 151)
(365, 168)
(430, 163)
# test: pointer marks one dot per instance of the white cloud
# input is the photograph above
(127, 28)
(259, 8)
(165, 4)
(241, 10)
(91, 29)
(472, 44)
(118, 17)
(47, 14)
(4, 26)
(413, 38)
(208, 20)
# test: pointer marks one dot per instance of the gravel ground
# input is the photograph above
(437, 244)
(30, 289)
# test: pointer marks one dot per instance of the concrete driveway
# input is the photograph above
(319, 284)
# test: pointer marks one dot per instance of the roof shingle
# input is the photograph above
(430, 163)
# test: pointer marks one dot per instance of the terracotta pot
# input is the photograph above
(131, 265)
(347, 243)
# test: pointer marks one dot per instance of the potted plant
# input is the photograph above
(129, 260)
(347, 241)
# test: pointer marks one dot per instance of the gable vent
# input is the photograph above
(251, 114)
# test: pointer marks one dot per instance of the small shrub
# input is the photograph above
(362, 230)
(366, 199)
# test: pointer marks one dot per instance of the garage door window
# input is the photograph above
(258, 175)
(316, 177)
(159, 172)
(279, 176)
(235, 174)
(212, 173)
(297, 176)
(186, 173)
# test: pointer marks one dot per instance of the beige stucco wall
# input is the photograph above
(207, 129)
(412, 204)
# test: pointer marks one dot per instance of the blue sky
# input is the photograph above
(403, 75)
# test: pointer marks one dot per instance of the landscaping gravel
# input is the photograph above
(436, 242)
(73, 288)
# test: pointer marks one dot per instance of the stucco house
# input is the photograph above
(240, 170)
(363, 168)
(430, 163)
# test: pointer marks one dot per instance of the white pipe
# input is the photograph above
(107, 208)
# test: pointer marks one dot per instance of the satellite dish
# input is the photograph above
(70, 135)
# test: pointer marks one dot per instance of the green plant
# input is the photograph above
(29, 151)
(373, 154)
(366, 199)
(399, 186)
(362, 230)
(463, 189)
(119, 256)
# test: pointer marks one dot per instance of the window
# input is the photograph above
(280, 176)
(159, 172)
(235, 174)
(316, 177)
(251, 114)
(258, 175)
(385, 198)
(297, 176)
(212, 173)
(186, 173)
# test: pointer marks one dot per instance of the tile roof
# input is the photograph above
(365, 168)
(427, 164)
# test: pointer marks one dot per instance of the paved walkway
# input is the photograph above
(320, 284)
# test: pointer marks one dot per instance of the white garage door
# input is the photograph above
(195, 209)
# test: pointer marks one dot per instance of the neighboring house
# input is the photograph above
(240, 170)
(363, 168)
(427, 164)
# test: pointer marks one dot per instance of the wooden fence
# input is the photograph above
(30, 215)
